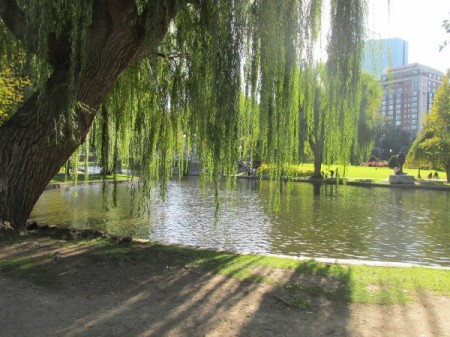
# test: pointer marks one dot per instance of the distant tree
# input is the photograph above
(313, 113)
(390, 139)
(13, 81)
(417, 157)
(433, 143)
(369, 103)
(11, 92)
(393, 162)
(317, 110)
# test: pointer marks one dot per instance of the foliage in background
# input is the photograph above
(11, 92)
(14, 78)
(393, 162)
(317, 109)
(370, 99)
(389, 139)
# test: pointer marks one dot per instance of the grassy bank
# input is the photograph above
(302, 279)
(355, 173)
(61, 178)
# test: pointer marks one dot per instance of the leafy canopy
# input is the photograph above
(188, 90)
(11, 92)
(433, 143)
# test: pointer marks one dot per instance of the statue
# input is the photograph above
(401, 161)
(400, 177)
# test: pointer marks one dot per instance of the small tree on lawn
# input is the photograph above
(433, 143)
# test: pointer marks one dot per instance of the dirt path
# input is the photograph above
(147, 298)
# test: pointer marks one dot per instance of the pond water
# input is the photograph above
(343, 222)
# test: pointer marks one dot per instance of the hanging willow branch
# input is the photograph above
(204, 103)
(235, 80)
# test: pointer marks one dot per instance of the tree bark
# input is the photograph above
(37, 141)
(317, 169)
(317, 149)
(32, 150)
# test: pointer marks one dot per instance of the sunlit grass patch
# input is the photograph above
(298, 171)
(62, 178)
(355, 172)
(396, 285)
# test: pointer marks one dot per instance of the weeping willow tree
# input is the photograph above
(313, 111)
(367, 110)
(316, 109)
(159, 76)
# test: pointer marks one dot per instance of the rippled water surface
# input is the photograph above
(386, 224)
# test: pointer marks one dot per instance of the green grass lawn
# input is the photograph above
(354, 173)
(61, 178)
(381, 174)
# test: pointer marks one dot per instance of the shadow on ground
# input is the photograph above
(51, 288)
(96, 291)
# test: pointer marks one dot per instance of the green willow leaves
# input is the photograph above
(228, 80)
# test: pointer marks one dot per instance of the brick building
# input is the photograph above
(408, 93)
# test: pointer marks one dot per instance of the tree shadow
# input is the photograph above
(116, 290)
(142, 290)
(313, 301)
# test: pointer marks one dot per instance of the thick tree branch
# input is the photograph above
(155, 20)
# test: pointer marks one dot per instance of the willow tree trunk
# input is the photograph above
(31, 152)
(317, 149)
(317, 169)
(37, 141)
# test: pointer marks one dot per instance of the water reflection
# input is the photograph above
(317, 221)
